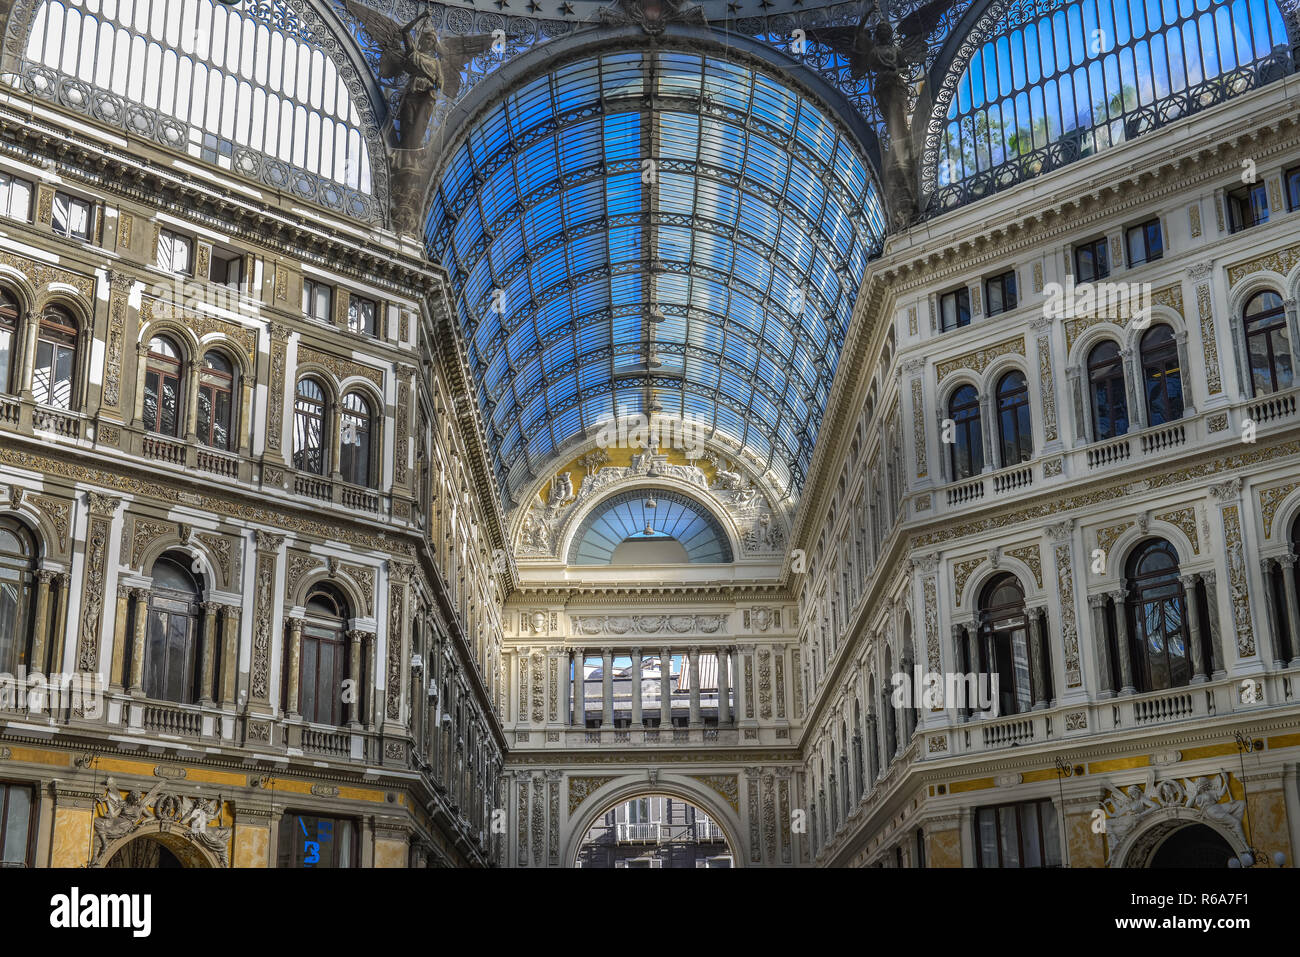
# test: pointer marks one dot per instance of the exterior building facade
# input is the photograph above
(412, 476)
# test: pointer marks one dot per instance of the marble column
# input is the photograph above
(354, 672)
(229, 673)
(141, 599)
(1043, 676)
(724, 686)
(665, 688)
(208, 653)
(694, 659)
(294, 629)
(1195, 631)
(971, 630)
(1124, 641)
(579, 667)
(1210, 579)
(1292, 606)
(636, 687)
(607, 687)
(41, 623)
(1097, 605)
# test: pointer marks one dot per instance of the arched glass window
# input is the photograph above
(56, 359)
(1058, 81)
(172, 635)
(1014, 431)
(859, 772)
(1162, 379)
(223, 83)
(873, 741)
(323, 657)
(162, 387)
(1268, 343)
(309, 427)
(1157, 607)
(8, 338)
(17, 562)
(1106, 383)
(891, 713)
(216, 402)
(354, 440)
(967, 440)
(1004, 642)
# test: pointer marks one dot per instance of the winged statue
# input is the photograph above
(888, 53)
(433, 66)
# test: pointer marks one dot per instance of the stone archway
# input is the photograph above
(155, 846)
(1179, 839)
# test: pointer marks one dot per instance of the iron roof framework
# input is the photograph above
(654, 230)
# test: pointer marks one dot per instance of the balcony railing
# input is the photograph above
(337, 744)
(162, 719)
(1273, 408)
(163, 450)
(218, 463)
(1162, 438)
(971, 491)
(65, 424)
(10, 410)
(638, 833)
(313, 486)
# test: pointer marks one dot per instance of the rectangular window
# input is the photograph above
(71, 217)
(1091, 261)
(227, 268)
(310, 841)
(1000, 293)
(954, 308)
(1018, 835)
(361, 315)
(15, 824)
(1293, 189)
(322, 672)
(316, 299)
(175, 252)
(1145, 244)
(1247, 207)
(15, 198)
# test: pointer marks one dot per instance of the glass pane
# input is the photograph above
(987, 826)
(1051, 835)
(307, 684)
(1009, 836)
(17, 824)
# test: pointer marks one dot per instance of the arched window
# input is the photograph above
(859, 772)
(1004, 641)
(56, 359)
(354, 440)
(309, 427)
(1014, 430)
(873, 740)
(1161, 376)
(1106, 382)
(17, 562)
(249, 88)
(162, 387)
(1157, 609)
(1055, 82)
(323, 656)
(172, 633)
(8, 338)
(1268, 343)
(967, 440)
(216, 402)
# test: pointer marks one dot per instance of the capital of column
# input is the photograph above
(1287, 561)
(45, 577)
(1097, 601)
(607, 652)
(211, 607)
(1209, 578)
(635, 652)
(140, 594)
(693, 651)
(1118, 595)
(1189, 581)
(295, 626)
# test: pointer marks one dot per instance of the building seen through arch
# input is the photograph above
(594, 439)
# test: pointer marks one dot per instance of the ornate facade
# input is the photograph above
(410, 464)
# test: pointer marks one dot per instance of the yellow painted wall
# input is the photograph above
(1268, 825)
(70, 846)
(390, 853)
(1086, 848)
(251, 845)
(944, 849)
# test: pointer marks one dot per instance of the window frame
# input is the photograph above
(11, 322)
(1107, 372)
(971, 426)
(164, 367)
(1143, 232)
(171, 240)
(1164, 354)
(313, 290)
(215, 389)
(1276, 322)
(354, 304)
(1005, 284)
(7, 181)
(1251, 198)
(349, 464)
(305, 415)
(1100, 250)
(58, 337)
(291, 824)
(71, 200)
(1140, 585)
(1020, 806)
(161, 597)
(958, 295)
(1014, 401)
(6, 788)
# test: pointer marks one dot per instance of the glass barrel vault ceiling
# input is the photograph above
(662, 230)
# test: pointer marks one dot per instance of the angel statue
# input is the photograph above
(121, 814)
(1206, 795)
(889, 53)
(433, 65)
